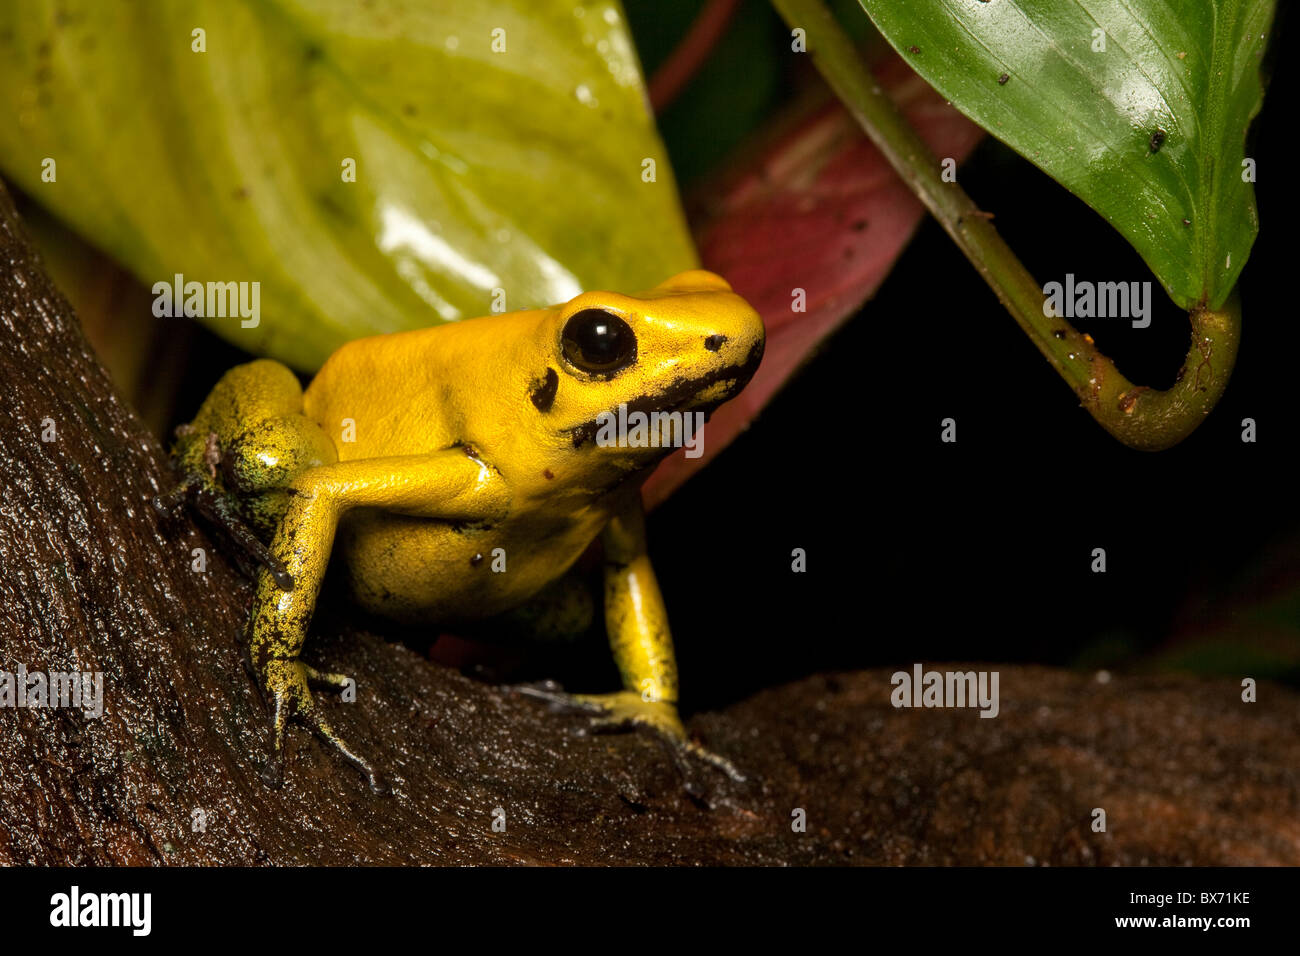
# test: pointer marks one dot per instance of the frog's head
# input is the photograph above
(686, 346)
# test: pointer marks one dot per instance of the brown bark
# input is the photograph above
(92, 579)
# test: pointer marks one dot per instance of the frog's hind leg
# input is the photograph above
(248, 442)
(193, 491)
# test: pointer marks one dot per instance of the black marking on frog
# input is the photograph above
(544, 389)
(677, 394)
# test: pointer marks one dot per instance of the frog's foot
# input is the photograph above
(286, 685)
(627, 710)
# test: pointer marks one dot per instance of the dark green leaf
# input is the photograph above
(1140, 107)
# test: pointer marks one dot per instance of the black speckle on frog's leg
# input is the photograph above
(548, 474)
(715, 342)
(1060, 333)
(543, 394)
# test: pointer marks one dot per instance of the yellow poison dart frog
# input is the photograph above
(415, 456)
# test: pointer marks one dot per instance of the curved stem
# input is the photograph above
(1140, 417)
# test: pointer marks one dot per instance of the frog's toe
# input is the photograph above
(628, 711)
(662, 720)
(718, 762)
(557, 699)
(286, 684)
(273, 771)
(377, 782)
(327, 678)
(314, 718)
(169, 503)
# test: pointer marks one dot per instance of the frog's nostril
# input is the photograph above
(714, 342)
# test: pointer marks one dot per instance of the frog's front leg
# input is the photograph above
(636, 621)
(450, 485)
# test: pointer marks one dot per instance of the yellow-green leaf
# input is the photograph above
(501, 150)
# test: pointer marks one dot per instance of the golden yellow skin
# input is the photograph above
(425, 452)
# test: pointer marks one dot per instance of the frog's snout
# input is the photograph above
(732, 350)
(738, 341)
(744, 361)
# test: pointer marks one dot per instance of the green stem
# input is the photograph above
(1140, 417)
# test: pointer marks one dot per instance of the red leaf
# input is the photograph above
(818, 209)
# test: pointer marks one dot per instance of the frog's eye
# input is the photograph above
(598, 341)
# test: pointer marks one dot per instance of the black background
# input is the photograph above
(915, 906)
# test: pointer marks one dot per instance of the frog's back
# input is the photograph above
(409, 393)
